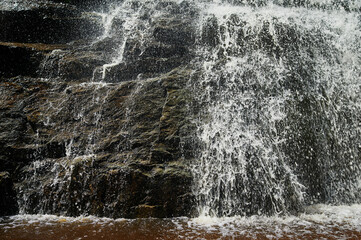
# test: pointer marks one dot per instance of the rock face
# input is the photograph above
(8, 204)
(43, 22)
(175, 108)
(79, 138)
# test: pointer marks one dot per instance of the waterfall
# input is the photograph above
(107, 105)
(209, 108)
(124, 23)
(280, 98)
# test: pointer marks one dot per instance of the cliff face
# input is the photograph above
(178, 108)
(79, 138)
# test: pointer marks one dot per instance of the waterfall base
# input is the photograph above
(322, 222)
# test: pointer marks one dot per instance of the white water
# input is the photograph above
(246, 90)
(326, 215)
(263, 63)
(123, 22)
(320, 222)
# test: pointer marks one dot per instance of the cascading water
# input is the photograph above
(243, 115)
(280, 96)
(86, 107)
(124, 21)
(275, 89)
(242, 169)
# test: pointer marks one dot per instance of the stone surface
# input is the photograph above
(131, 157)
(23, 59)
(103, 126)
(46, 23)
(89, 4)
(75, 143)
(8, 204)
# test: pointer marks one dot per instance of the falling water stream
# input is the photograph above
(265, 70)
(278, 125)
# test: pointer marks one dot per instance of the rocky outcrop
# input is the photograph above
(131, 157)
(75, 142)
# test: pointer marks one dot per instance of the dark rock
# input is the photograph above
(113, 190)
(118, 148)
(186, 8)
(107, 45)
(47, 25)
(148, 67)
(177, 33)
(163, 51)
(126, 175)
(155, 50)
(210, 32)
(8, 204)
(23, 59)
(76, 66)
(18, 61)
(88, 4)
(19, 118)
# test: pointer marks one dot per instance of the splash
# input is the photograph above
(266, 72)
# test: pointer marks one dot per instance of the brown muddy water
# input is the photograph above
(318, 222)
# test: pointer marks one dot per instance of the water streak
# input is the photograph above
(259, 64)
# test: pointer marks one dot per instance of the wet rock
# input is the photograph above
(79, 65)
(155, 50)
(8, 204)
(173, 191)
(163, 51)
(88, 4)
(153, 60)
(113, 190)
(148, 67)
(210, 32)
(19, 143)
(47, 24)
(107, 167)
(185, 7)
(115, 148)
(18, 61)
(23, 59)
(145, 211)
(177, 33)
(107, 45)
